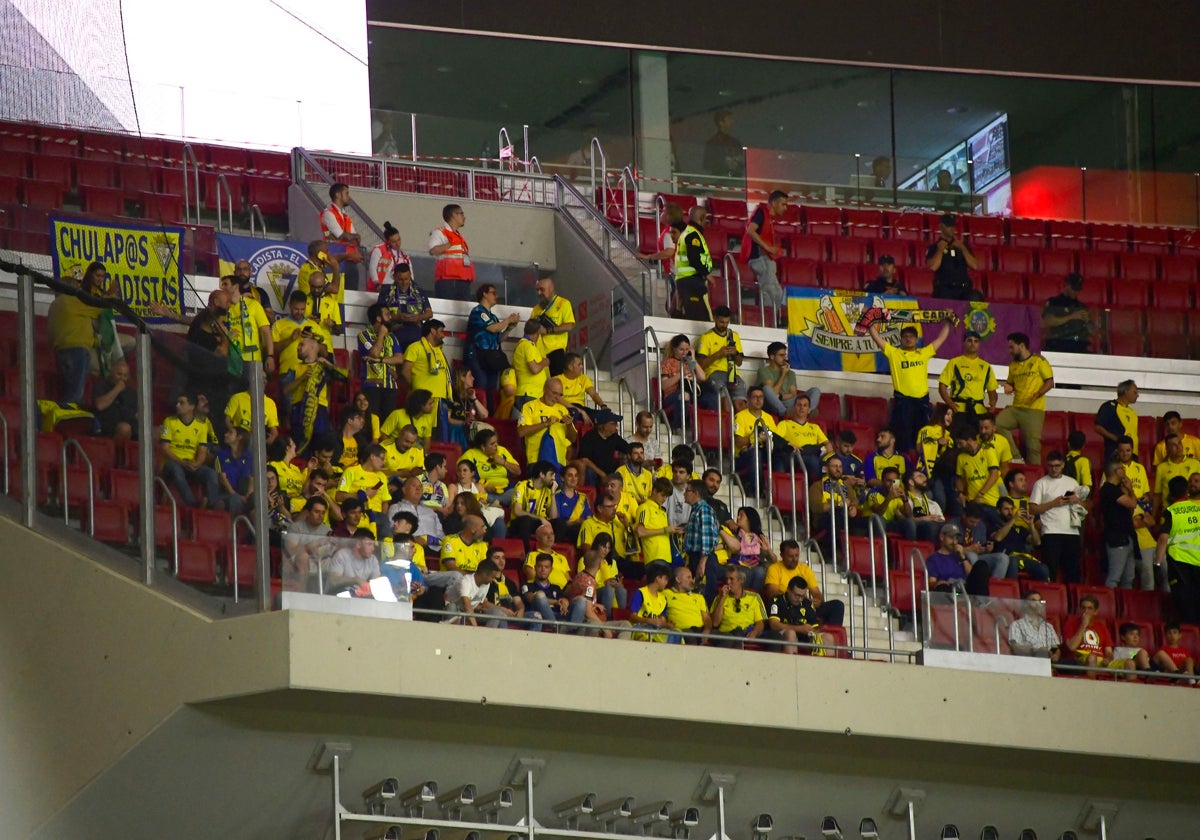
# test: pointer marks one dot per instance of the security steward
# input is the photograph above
(1179, 546)
(693, 264)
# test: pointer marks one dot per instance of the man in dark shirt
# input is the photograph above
(949, 563)
(792, 617)
(542, 598)
(949, 258)
(208, 354)
(1066, 323)
(887, 283)
(712, 483)
(1016, 537)
(723, 153)
(115, 405)
(600, 447)
(760, 236)
(1117, 505)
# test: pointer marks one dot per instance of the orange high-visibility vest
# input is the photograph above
(455, 262)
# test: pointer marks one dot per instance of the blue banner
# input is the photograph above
(274, 264)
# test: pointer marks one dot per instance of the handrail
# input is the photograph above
(4, 443)
(503, 141)
(928, 606)
(728, 262)
(833, 530)
(622, 389)
(534, 165)
(298, 178)
(846, 523)
(775, 513)
(954, 603)
(189, 152)
(686, 384)
(661, 421)
(256, 212)
(915, 554)
(649, 333)
(91, 488)
(999, 620)
(851, 577)
(808, 545)
(728, 400)
(629, 187)
(586, 353)
(871, 533)
(233, 551)
(660, 206)
(595, 148)
(758, 427)
(158, 480)
(957, 585)
(222, 182)
(797, 458)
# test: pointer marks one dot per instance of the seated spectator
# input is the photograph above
(503, 596)
(1017, 537)
(546, 427)
(369, 483)
(1031, 634)
(753, 428)
(543, 598)
(485, 330)
(736, 613)
(888, 282)
(719, 352)
(468, 595)
(354, 517)
(533, 502)
(238, 413)
(978, 542)
(404, 458)
(792, 617)
(279, 508)
(635, 476)
(1066, 323)
(643, 433)
(468, 486)
(420, 412)
(686, 608)
(429, 531)
(781, 574)
(804, 436)
(348, 444)
(926, 514)
(352, 565)
(235, 472)
(184, 447)
(750, 550)
(463, 506)
(825, 493)
(778, 382)
(464, 410)
(407, 306)
(307, 544)
(884, 456)
(1130, 654)
(679, 374)
(613, 593)
(601, 448)
(577, 387)
(1172, 658)
(115, 405)
(371, 421)
(435, 493)
(494, 464)
(572, 507)
(466, 550)
(1087, 636)
(852, 465)
(530, 364)
(949, 564)
(560, 570)
(583, 592)
(318, 486)
(648, 605)
(678, 508)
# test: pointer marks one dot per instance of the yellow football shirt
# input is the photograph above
(743, 424)
(429, 368)
(529, 383)
(285, 328)
(466, 557)
(357, 478)
(909, 369)
(651, 515)
(398, 419)
(801, 435)
(185, 439)
(710, 343)
(536, 411)
(575, 390)
(974, 471)
(237, 411)
(969, 379)
(560, 571)
(1027, 378)
(560, 312)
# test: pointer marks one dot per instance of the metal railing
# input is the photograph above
(798, 459)
(190, 154)
(627, 188)
(623, 389)
(853, 577)
(257, 220)
(159, 482)
(223, 185)
(733, 296)
(71, 443)
(999, 622)
(233, 548)
(876, 526)
(588, 356)
(596, 150)
(653, 346)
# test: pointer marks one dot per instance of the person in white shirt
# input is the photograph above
(1061, 502)
(679, 510)
(466, 596)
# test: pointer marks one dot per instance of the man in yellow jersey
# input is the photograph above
(652, 528)
(686, 609)
(560, 567)
(752, 428)
(1142, 514)
(285, 335)
(988, 439)
(637, 477)
(909, 366)
(967, 381)
(780, 574)
(545, 425)
(805, 436)
(1179, 546)
(533, 502)
(1173, 424)
(1117, 417)
(578, 386)
(648, 605)
(530, 364)
(558, 317)
(247, 325)
(719, 353)
(185, 449)
(978, 476)
(1030, 378)
(369, 483)
(495, 465)
(1176, 463)
(238, 412)
(425, 366)
(404, 457)
(737, 612)
(464, 551)
(322, 305)
(320, 261)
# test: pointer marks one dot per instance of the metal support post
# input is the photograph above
(146, 455)
(29, 410)
(258, 440)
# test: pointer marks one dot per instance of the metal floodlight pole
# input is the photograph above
(29, 412)
(258, 440)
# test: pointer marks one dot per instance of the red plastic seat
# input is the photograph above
(841, 276)
(846, 250)
(1068, 236)
(901, 584)
(227, 159)
(829, 409)
(46, 194)
(270, 194)
(782, 491)
(902, 553)
(103, 200)
(905, 225)
(1017, 260)
(1126, 344)
(794, 272)
(168, 208)
(984, 230)
(1107, 598)
(985, 255)
(1094, 292)
(1093, 265)
(10, 193)
(1138, 266)
(1054, 594)
(15, 140)
(860, 557)
(55, 170)
(138, 177)
(870, 411)
(1006, 287)
(95, 173)
(1133, 294)
(685, 202)
(1140, 605)
(1151, 240)
(919, 281)
(58, 142)
(726, 208)
(111, 522)
(197, 562)
(451, 451)
(1110, 239)
(514, 549)
(864, 435)
(1169, 323)
(802, 247)
(863, 224)
(1190, 639)
(1173, 296)
(1027, 233)
(825, 221)
(1058, 263)
(212, 526)
(1178, 269)
(14, 165)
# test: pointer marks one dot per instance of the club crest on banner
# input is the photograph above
(979, 319)
(841, 321)
(274, 264)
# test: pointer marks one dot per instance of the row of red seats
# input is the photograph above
(993, 231)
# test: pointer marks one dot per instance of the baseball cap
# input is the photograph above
(603, 416)
(949, 219)
(887, 259)
(950, 531)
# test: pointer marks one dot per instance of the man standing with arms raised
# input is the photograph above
(909, 367)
